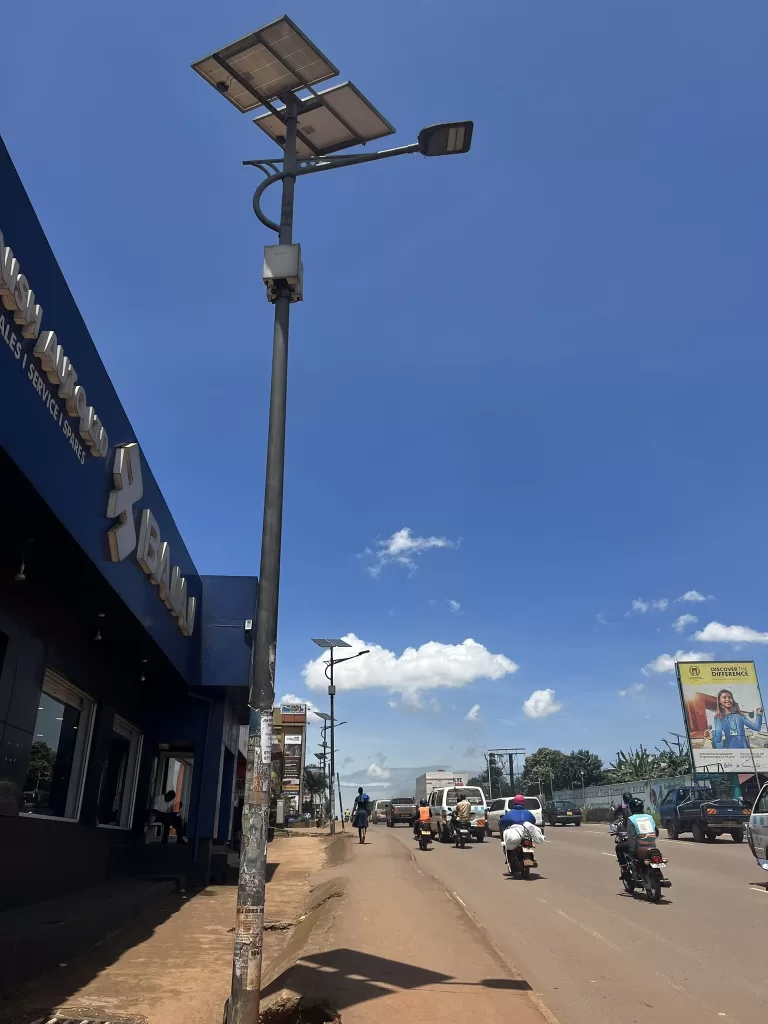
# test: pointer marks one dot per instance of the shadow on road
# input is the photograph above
(663, 902)
(346, 977)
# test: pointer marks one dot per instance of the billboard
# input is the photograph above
(724, 715)
(292, 745)
(293, 713)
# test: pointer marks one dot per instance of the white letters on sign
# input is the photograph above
(17, 297)
(152, 553)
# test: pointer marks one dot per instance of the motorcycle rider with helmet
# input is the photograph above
(634, 827)
(518, 814)
(424, 816)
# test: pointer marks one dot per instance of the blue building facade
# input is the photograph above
(123, 671)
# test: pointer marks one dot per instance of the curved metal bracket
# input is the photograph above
(278, 176)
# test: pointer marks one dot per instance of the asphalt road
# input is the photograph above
(598, 955)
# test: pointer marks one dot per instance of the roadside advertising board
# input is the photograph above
(724, 715)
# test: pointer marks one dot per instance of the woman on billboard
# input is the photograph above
(731, 723)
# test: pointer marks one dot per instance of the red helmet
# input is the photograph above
(519, 800)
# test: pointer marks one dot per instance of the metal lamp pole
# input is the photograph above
(249, 922)
(332, 694)
(269, 56)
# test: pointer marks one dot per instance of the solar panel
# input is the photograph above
(335, 119)
(264, 65)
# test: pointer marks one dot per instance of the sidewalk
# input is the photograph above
(368, 935)
(173, 964)
(398, 947)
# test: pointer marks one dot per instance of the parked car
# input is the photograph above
(402, 810)
(561, 812)
(441, 805)
(379, 812)
(502, 805)
(705, 811)
(758, 829)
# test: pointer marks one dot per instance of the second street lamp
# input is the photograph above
(329, 645)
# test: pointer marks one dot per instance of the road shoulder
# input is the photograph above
(396, 940)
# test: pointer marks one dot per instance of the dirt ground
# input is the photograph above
(173, 965)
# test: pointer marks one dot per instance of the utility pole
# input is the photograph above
(341, 806)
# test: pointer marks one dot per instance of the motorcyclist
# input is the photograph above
(518, 814)
(424, 815)
(621, 812)
(462, 812)
(634, 826)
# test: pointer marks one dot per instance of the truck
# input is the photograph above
(429, 781)
(707, 810)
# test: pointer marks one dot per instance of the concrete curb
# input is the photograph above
(279, 998)
(506, 964)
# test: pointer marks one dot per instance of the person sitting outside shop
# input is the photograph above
(164, 813)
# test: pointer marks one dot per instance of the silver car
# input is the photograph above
(758, 828)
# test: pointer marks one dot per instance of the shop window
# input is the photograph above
(117, 787)
(59, 751)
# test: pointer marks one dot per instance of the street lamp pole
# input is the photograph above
(246, 973)
(270, 66)
(329, 645)
(332, 790)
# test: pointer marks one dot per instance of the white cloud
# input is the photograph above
(377, 771)
(641, 607)
(454, 606)
(682, 621)
(693, 595)
(635, 690)
(392, 703)
(412, 700)
(540, 704)
(666, 662)
(401, 548)
(418, 669)
(717, 633)
(291, 698)
(368, 785)
(473, 714)
(600, 619)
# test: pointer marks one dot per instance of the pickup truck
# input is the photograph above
(705, 812)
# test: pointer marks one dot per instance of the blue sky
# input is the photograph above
(549, 354)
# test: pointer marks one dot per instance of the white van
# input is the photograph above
(379, 812)
(758, 828)
(442, 803)
(503, 804)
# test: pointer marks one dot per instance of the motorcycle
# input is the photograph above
(522, 858)
(461, 834)
(643, 870)
(424, 833)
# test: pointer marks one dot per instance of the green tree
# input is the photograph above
(590, 764)
(42, 758)
(314, 783)
(672, 759)
(548, 767)
(499, 771)
(633, 765)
